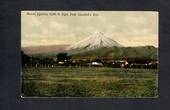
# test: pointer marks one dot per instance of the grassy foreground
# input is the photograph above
(89, 82)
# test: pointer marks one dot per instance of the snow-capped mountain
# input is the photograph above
(94, 41)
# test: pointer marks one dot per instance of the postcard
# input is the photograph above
(98, 54)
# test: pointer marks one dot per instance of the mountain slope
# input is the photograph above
(94, 41)
(146, 52)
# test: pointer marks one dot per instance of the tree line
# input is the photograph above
(63, 59)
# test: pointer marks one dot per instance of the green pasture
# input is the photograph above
(89, 82)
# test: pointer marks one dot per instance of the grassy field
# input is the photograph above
(89, 82)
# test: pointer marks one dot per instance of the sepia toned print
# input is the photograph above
(89, 54)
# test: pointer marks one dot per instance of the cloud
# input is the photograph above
(135, 41)
(30, 21)
(102, 19)
(130, 28)
(58, 26)
(41, 42)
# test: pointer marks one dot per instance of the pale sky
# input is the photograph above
(129, 28)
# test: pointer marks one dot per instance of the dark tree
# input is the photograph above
(63, 57)
(25, 59)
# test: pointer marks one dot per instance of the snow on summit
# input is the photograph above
(94, 41)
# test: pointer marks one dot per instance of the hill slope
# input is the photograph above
(44, 49)
(147, 52)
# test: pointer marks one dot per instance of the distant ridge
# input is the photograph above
(145, 52)
(44, 49)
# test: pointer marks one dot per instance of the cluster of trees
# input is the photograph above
(29, 61)
(62, 59)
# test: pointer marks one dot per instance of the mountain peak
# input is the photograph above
(96, 40)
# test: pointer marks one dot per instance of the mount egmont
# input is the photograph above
(94, 41)
(96, 45)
